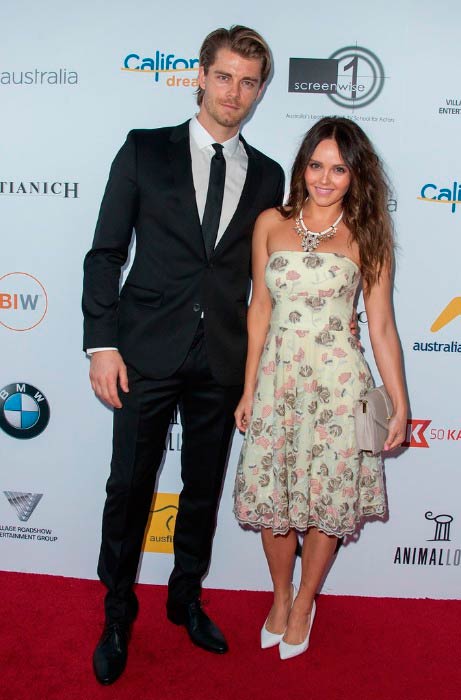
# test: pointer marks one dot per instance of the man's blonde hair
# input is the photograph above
(243, 41)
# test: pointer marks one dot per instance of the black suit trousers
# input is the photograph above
(140, 431)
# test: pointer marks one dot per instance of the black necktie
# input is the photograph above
(214, 197)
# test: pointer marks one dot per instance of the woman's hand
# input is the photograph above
(354, 325)
(397, 432)
(243, 412)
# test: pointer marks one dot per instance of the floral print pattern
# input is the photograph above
(299, 465)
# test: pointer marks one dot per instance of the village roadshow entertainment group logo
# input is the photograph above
(24, 504)
(451, 107)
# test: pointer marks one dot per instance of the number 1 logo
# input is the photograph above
(360, 77)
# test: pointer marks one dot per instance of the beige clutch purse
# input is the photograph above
(372, 415)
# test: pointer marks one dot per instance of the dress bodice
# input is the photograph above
(311, 291)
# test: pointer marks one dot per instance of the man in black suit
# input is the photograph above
(176, 332)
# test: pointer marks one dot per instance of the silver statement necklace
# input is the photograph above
(311, 239)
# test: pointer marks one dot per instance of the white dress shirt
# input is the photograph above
(202, 151)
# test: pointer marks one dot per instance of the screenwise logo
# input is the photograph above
(351, 77)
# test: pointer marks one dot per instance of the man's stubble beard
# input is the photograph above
(221, 119)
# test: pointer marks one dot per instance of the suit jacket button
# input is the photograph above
(196, 307)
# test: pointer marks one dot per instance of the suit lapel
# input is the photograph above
(181, 166)
(248, 196)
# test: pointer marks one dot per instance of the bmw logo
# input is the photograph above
(24, 411)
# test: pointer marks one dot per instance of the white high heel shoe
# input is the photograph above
(270, 639)
(287, 651)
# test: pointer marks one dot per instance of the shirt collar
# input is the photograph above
(202, 138)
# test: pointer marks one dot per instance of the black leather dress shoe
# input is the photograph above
(202, 631)
(109, 658)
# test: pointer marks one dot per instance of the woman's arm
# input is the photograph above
(388, 355)
(258, 317)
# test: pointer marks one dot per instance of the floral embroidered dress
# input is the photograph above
(299, 465)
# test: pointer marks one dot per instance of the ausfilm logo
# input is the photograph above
(23, 301)
(165, 65)
(351, 77)
(161, 524)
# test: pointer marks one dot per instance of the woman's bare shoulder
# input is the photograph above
(270, 217)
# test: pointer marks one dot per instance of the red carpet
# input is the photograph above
(382, 649)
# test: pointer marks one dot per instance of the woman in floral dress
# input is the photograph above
(300, 469)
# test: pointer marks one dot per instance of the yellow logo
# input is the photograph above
(162, 520)
(448, 315)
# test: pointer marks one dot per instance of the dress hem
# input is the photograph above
(378, 513)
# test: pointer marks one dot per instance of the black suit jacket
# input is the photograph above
(152, 320)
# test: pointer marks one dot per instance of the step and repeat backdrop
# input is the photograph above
(74, 80)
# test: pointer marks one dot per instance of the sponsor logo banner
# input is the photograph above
(452, 106)
(445, 194)
(58, 76)
(25, 533)
(23, 503)
(415, 436)
(419, 434)
(39, 188)
(437, 556)
(351, 77)
(164, 67)
(450, 313)
(160, 526)
(24, 411)
(23, 301)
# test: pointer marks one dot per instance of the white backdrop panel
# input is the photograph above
(69, 132)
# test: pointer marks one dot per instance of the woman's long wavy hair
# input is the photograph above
(366, 201)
